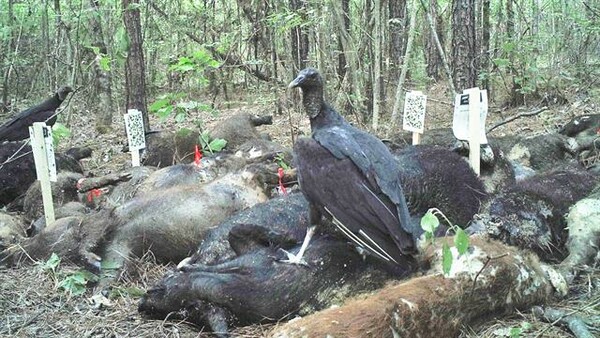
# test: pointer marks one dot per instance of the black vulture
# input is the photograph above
(17, 128)
(350, 176)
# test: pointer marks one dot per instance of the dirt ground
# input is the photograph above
(33, 305)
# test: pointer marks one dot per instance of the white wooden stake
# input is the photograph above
(134, 125)
(474, 129)
(45, 169)
(416, 138)
(135, 157)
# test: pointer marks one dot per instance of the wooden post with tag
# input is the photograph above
(414, 114)
(468, 124)
(136, 137)
(474, 129)
(45, 165)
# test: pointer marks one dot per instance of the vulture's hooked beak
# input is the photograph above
(297, 81)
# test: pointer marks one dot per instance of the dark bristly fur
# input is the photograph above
(255, 287)
(351, 175)
(436, 177)
(17, 128)
(531, 214)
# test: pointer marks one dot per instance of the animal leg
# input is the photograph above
(216, 317)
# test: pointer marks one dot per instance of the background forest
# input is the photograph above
(177, 57)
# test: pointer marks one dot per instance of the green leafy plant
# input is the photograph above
(52, 263)
(75, 284)
(104, 60)
(172, 104)
(517, 332)
(59, 132)
(280, 160)
(430, 222)
(211, 145)
(132, 291)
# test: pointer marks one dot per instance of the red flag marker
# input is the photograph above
(281, 189)
(93, 194)
(197, 156)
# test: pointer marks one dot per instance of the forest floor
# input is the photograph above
(33, 305)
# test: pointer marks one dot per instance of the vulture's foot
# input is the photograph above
(293, 259)
(297, 258)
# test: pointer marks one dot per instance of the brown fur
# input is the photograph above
(167, 148)
(64, 190)
(434, 305)
(169, 223)
(11, 230)
(237, 130)
(70, 238)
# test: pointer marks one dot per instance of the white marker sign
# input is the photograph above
(45, 165)
(460, 123)
(414, 112)
(42, 145)
(136, 137)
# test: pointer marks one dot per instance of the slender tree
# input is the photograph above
(135, 78)
(102, 78)
(378, 85)
(433, 58)
(398, 103)
(485, 44)
(299, 38)
(397, 35)
(12, 46)
(516, 96)
(342, 64)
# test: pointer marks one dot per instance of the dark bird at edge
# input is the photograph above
(17, 128)
(350, 176)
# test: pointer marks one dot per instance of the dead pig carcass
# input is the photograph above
(255, 287)
(169, 222)
(531, 214)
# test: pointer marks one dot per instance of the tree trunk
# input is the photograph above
(57, 43)
(516, 97)
(299, 39)
(464, 63)
(397, 35)
(102, 77)
(439, 46)
(350, 83)
(135, 78)
(435, 65)
(342, 63)
(398, 104)
(485, 44)
(378, 43)
(6, 55)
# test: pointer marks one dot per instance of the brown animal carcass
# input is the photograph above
(531, 214)
(170, 223)
(17, 171)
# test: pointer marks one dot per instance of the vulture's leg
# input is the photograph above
(297, 259)
(314, 215)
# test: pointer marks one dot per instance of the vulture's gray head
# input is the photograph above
(307, 78)
(63, 92)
